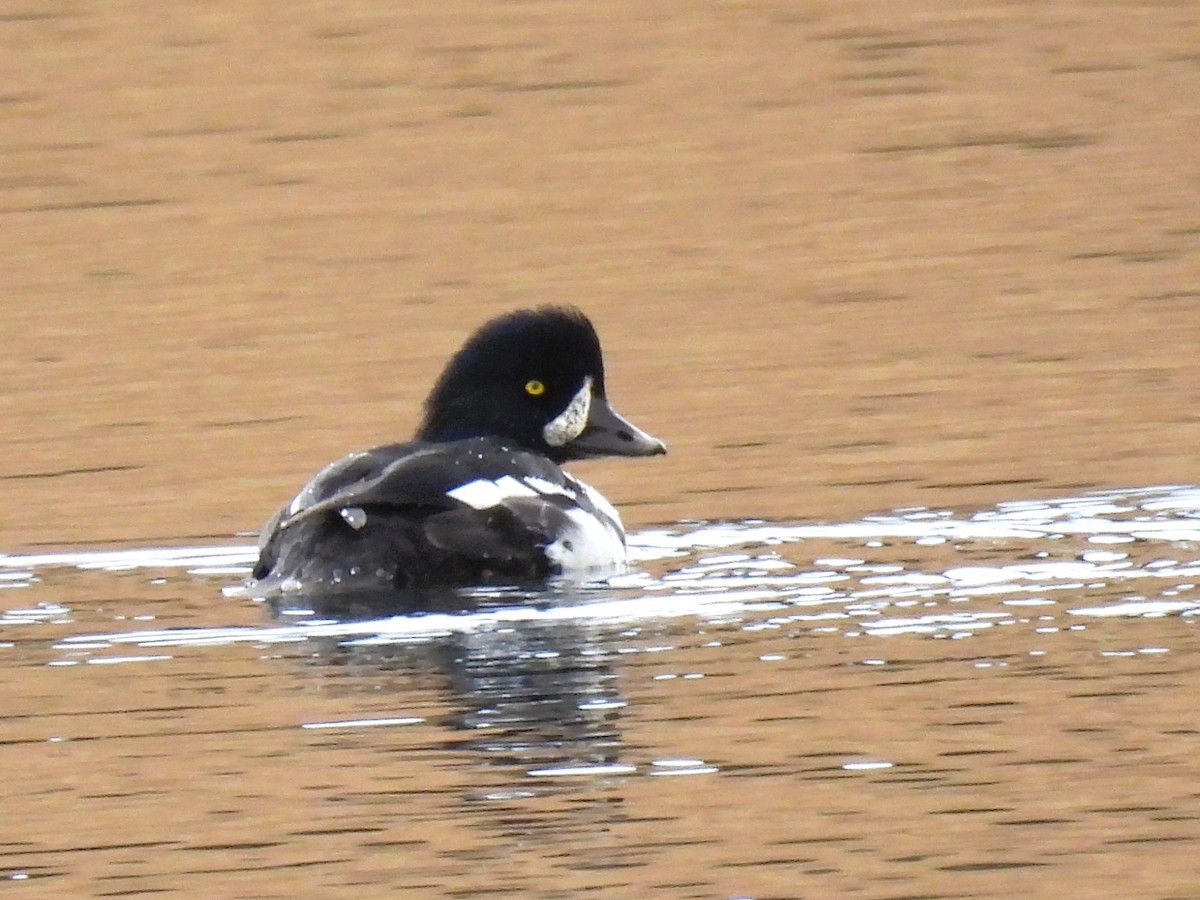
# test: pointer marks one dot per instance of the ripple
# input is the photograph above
(917, 571)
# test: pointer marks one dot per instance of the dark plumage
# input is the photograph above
(477, 497)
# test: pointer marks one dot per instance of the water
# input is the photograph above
(917, 704)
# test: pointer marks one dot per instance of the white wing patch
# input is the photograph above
(484, 494)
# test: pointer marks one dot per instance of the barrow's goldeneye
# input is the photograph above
(478, 496)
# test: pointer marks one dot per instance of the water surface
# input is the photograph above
(915, 704)
(903, 253)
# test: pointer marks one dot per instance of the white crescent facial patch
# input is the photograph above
(569, 423)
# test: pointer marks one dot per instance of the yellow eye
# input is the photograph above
(534, 388)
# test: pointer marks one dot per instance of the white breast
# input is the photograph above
(588, 544)
(594, 540)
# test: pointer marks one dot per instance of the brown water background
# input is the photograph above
(844, 257)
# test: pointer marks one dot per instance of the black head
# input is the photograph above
(535, 377)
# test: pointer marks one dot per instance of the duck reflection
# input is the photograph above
(534, 694)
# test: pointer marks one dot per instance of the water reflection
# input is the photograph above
(541, 697)
(531, 680)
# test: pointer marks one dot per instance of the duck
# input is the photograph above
(478, 497)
